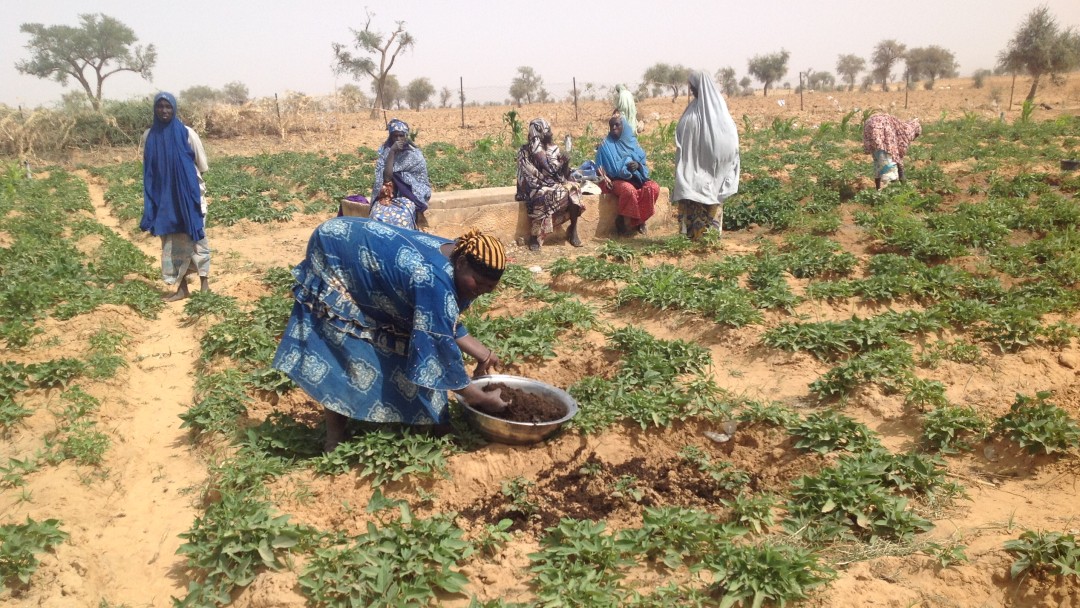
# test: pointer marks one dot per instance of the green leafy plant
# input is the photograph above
(20, 544)
(1044, 552)
(949, 429)
(749, 575)
(829, 431)
(519, 491)
(726, 476)
(775, 414)
(1038, 425)
(401, 562)
(494, 537)
(578, 564)
(228, 545)
(853, 497)
(386, 455)
(754, 512)
(675, 536)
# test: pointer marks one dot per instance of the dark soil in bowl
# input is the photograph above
(527, 407)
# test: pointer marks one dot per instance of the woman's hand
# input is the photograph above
(485, 357)
(489, 402)
(632, 166)
(487, 363)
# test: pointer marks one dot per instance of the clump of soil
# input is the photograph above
(527, 407)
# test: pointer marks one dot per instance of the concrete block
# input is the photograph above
(495, 212)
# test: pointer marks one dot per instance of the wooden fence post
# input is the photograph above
(461, 94)
(575, 99)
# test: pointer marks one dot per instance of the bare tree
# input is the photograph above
(886, 54)
(849, 66)
(1041, 47)
(444, 96)
(371, 42)
(100, 43)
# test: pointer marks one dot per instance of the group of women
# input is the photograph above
(375, 331)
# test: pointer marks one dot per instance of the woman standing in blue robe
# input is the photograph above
(375, 333)
(174, 203)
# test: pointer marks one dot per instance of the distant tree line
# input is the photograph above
(100, 47)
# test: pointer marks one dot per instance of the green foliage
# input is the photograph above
(829, 340)
(103, 360)
(519, 491)
(808, 256)
(494, 537)
(890, 367)
(220, 399)
(20, 544)
(403, 562)
(1038, 425)
(1044, 552)
(674, 536)
(648, 361)
(854, 497)
(591, 269)
(749, 575)
(775, 414)
(386, 455)
(578, 564)
(829, 431)
(43, 220)
(13, 380)
(726, 476)
(228, 545)
(533, 334)
(210, 304)
(754, 512)
(949, 429)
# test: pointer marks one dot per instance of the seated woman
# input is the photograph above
(887, 138)
(374, 333)
(402, 189)
(623, 173)
(544, 184)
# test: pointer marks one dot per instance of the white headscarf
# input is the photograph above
(706, 147)
(626, 107)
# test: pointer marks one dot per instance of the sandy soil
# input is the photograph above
(124, 520)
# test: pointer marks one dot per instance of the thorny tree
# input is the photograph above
(100, 43)
(1040, 47)
(371, 42)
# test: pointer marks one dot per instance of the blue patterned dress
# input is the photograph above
(373, 331)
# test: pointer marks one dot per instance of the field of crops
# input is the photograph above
(852, 398)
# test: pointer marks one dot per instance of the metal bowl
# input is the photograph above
(498, 430)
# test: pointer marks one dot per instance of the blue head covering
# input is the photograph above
(614, 154)
(396, 125)
(171, 197)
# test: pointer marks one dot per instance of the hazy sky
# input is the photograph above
(274, 46)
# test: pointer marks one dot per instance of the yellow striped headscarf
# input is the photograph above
(483, 250)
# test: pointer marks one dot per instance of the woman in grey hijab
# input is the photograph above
(706, 159)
